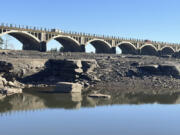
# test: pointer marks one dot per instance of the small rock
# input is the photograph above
(11, 84)
(79, 70)
(23, 72)
(134, 64)
(109, 57)
(3, 82)
(3, 92)
(95, 95)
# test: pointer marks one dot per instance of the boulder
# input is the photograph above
(64, 63)
(12, 90)
(3, 82)
(151, 69)
(10, 84)
(67, 87)
(5, 66)
(134, 64)
(170, 69)
(131, 73)
(89, 65)
(73, 63)
(3, 92)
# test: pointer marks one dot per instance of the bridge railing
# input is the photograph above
(24, 27)
(72, 33)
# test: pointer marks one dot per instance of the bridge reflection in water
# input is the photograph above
(32, 100)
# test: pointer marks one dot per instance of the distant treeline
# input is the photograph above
(56, 50)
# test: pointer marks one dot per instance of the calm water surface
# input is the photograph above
(37, 113)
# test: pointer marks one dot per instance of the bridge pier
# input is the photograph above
(29, 46)
(113, 50)
(138, 51)
(160, 53)
(105, 52)
(43, 47)
(83, 48)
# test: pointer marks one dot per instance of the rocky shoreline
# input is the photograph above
(95, 73)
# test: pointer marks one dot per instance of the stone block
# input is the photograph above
(67, 87)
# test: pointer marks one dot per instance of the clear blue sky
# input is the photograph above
(145, 19)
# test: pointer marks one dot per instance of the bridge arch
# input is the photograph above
(127, 48)
(29, 41)
(100, 45)
(167, 50)
(69, 43)
(148, 49)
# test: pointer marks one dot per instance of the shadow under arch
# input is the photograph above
(149, 49)
(101, 46)
(29, 41)
(127, 48)
(167, 50)
(69, 44)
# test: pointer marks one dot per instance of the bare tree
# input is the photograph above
(7, 44)
(61, 49)
(1, 43)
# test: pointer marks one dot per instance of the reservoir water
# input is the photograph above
(41, 113)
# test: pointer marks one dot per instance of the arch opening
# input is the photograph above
(54, 46)
(68, 44)
(100, 46)
(89, 48)
(167, 51)
(127, 48)
(11, 43)
(118, 50)
(26, 40)
(149, 50)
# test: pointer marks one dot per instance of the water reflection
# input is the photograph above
(36, 99)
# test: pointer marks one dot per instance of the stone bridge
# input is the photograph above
(34, 38)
